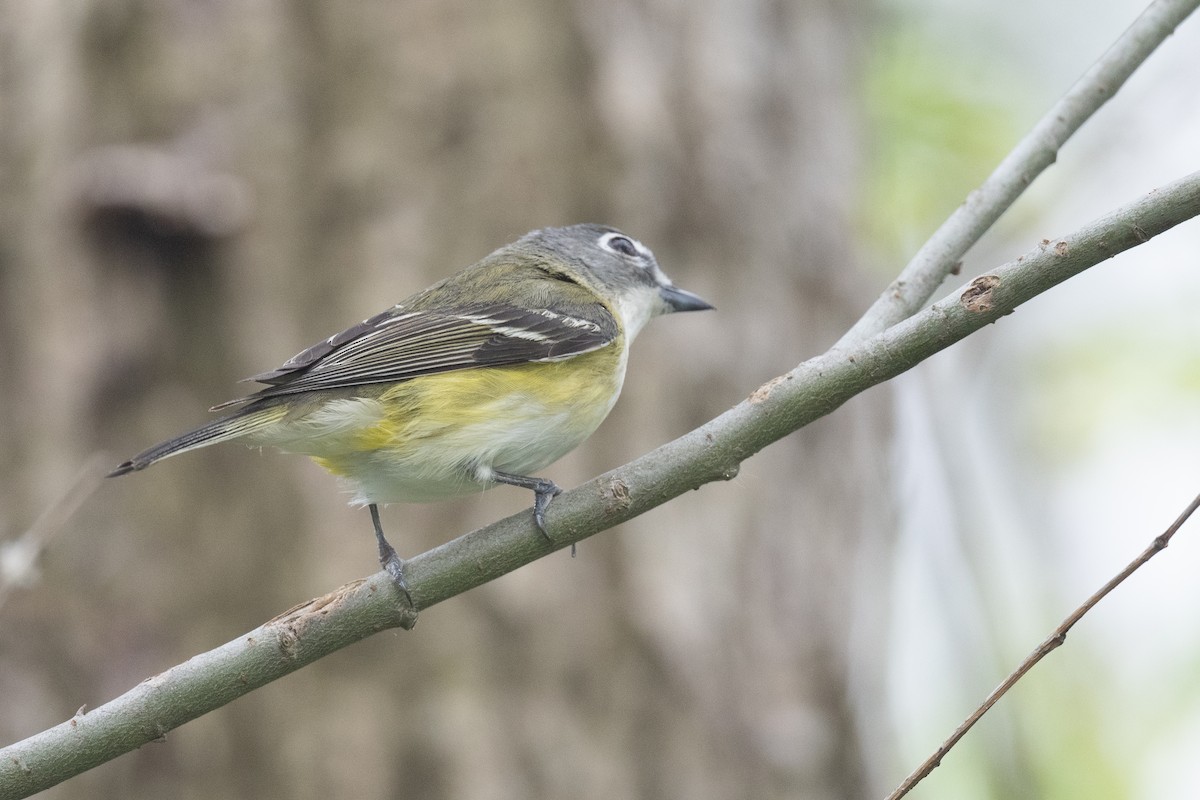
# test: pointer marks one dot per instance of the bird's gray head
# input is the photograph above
(618, 267)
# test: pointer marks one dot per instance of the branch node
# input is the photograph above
(762, 393)
(978, 297)
(616, 496)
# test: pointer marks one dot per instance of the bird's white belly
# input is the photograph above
(454, 463)
(434, 461)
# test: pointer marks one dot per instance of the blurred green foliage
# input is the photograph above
(941, 119)
(1147, 374)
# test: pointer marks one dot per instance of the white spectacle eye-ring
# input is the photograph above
(622, 245)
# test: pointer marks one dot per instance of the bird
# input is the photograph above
(483, 379)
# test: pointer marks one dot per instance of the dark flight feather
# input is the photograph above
(401, 344)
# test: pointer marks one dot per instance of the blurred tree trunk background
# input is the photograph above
(190, 192)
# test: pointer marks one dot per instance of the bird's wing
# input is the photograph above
(400, 344)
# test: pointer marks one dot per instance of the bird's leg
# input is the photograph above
(544, 490)
(392, 563)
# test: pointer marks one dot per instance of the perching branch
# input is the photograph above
(712, 452)
(1052, 642)
(942, 253)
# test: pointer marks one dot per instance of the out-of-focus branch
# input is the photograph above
(19, 557)
(1052, 642)
(712, 452)
(940, 255)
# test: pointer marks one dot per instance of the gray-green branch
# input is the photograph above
(712, 452)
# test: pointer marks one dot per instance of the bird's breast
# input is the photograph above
(429, 437)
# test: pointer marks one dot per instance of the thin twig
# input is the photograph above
(1052, 642)
(1036, 151)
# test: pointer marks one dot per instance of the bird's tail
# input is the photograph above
(240, 423)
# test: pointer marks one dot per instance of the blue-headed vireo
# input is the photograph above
(481, 379)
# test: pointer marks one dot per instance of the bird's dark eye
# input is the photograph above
(620, 244)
